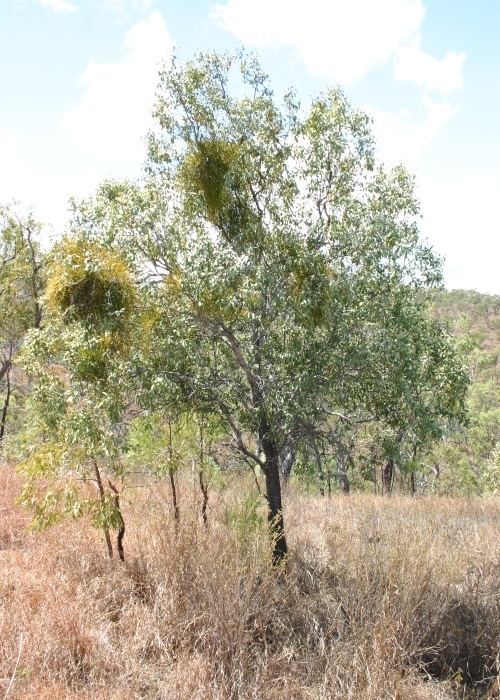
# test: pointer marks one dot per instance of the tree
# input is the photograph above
(77, 363)
(21, 287)
(427, 395)
(279, 262)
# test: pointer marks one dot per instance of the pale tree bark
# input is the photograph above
(319, 466)
(102, 496)
(388, 477)
(287, 464)
(342, 475)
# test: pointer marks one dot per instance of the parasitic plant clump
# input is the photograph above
(91, 285)
(213, 171)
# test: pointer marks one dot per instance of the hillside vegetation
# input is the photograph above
(468, 460)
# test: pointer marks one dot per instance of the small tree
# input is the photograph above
(78, 366)
(21, 287)
(427, 394)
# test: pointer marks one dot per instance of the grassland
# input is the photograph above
(382, 598)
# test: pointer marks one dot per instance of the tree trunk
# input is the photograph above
(287, 464)
(121, 530)
(413, 487)
(100, 488)
(343, 477)
(204, 493)
(171, 474)
(5, 368)
(388, 477)
(35, 282)
(203, 483)
(319, 467)
(8, 391)
(273, 495)
(175, 502)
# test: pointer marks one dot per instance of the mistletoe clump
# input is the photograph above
(90, 284)
(211, 170)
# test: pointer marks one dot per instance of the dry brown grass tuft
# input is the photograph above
(395, 599)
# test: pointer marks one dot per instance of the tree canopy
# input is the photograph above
(281, 268)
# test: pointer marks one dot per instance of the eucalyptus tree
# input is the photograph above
(78, 366)
(427, 396)
(21, 287)
(432, 407)
(276, 256)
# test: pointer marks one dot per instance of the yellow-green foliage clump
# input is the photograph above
(207, 171)
(212, 171)
(89, 283)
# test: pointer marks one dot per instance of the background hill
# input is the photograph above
(470, 457)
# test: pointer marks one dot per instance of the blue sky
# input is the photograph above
(77, 81)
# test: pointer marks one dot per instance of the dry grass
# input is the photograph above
(381, 599)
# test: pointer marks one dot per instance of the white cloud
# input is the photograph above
(8, 151)
(459, 212)
(346, 40)
(36, 185)
(402, 138)
(114, 113)
(430, 73)
(460, 217)
(342, 40)
(102, 135)
(58, 5)
(122, 6)
(128, 4)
